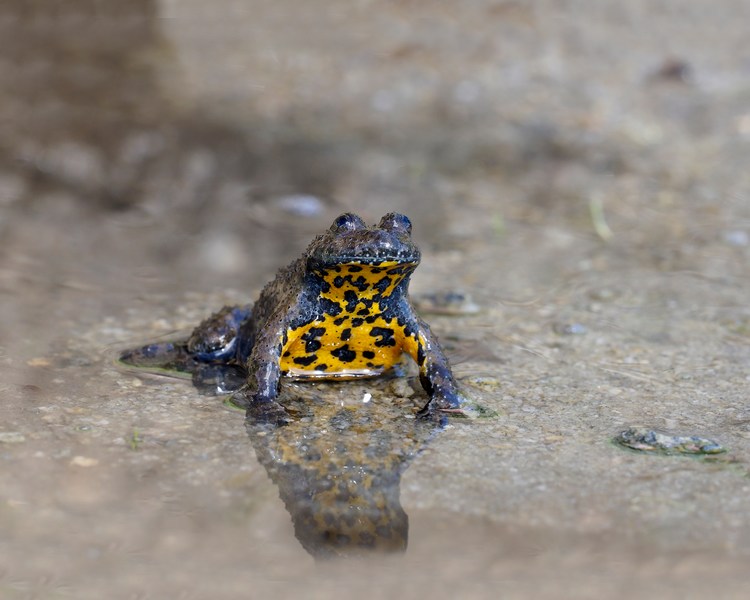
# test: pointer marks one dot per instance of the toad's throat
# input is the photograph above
(359, 338)
(341, 283)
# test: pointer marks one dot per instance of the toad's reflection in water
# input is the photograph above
(338, 466)
(337, 460)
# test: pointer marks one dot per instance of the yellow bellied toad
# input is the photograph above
(340, 311)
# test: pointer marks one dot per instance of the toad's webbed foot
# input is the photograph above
(450, 402)
(260, 410)
(267, 413)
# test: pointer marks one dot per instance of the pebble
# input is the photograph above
(83, 461)
(301, 205)
(445, 303)
(644, 439)
(737, 238)
(569, 329)
(38, 361)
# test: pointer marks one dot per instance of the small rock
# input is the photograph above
(401, 389)
(486, 382)
(83, 461)
(674, 69)
(602, 294)
(653, 441)
(737, 238)
(445, 303)
(38, 361)
(301, 205)
(569, 328)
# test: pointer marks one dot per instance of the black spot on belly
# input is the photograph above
(330, 307)
(309, 337)
(340, 320)
(363, 311)
(346, 334)
(368, 354)
(321, 367)
(360, 283)
(344, 354)
(305, 361)
(357, 322)
(351, 300)
(385, 334)
(383, 284)
(354, 268)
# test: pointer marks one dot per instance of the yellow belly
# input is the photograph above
(357, 341)
(324, 349)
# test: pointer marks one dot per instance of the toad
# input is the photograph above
(340, 311)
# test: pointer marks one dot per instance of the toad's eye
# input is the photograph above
(396, 222)
(347, 222)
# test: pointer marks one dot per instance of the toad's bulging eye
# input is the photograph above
(347, 222)
(396, 222)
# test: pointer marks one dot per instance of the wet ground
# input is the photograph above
(579, 168)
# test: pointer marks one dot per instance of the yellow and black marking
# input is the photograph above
(357, 332)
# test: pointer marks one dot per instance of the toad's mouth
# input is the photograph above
(373, 262)
(364, 250)
(366, 260)
(369, 255)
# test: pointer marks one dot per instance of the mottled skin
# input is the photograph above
(340, 311)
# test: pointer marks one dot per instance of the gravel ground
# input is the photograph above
(579, 168)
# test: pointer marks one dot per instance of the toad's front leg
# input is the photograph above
(260, 392)
(434, 369)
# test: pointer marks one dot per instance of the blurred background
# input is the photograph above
(567, 163)
(214, 141)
